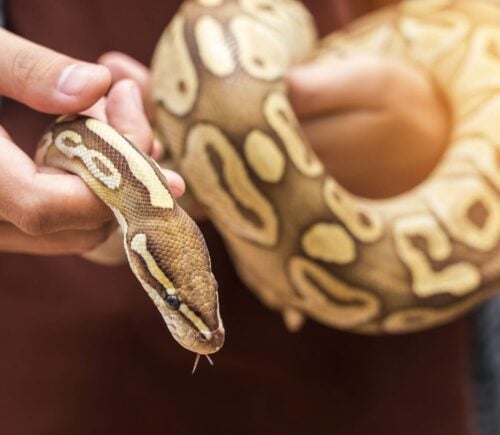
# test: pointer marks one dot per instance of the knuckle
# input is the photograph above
(33, 219)
(73, 242)
(26, 69)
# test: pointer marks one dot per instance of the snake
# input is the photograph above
(306, 246)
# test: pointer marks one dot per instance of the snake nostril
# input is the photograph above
(205, 336)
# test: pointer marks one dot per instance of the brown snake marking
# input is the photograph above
(240, 192)
(304, 244)
(162, 243)
(411, 262)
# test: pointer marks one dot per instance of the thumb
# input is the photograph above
(46, 80)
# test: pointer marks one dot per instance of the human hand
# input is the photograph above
(44, 210)
(122, 66)
(377, 124)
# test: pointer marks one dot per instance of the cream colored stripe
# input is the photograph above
(200, 325)
(213, 48)
(175, 80)
(89, 158)
(140, 167)
(210, 3)
(264, 156)
(329, 242)
(139, 246)
(280, 115)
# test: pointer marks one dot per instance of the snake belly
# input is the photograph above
(165, 249)
(301, 242)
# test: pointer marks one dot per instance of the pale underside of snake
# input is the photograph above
(301, 242)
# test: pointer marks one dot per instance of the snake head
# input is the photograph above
(197, 327)
(191, 312)
(172, 263)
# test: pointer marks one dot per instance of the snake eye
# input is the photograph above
(173, 302)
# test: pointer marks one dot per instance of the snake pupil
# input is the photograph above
(173, 302)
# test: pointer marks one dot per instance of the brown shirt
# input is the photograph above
(84, 351)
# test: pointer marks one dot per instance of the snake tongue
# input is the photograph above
(196, 361)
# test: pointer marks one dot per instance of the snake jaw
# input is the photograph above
(213, 340)
(216, 339)
(202, 342)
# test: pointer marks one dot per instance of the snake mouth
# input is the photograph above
(211, 341)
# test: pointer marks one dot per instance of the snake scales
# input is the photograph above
(298, 239)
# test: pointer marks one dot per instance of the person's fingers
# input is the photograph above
(340, 140)
(125, 118)
(175, 182)
(4, 133)
(46, 80)
(39, 202)
(341, 84)
(12, 239)
(98, 110)
(157, 150)
(354, 144)
(365, 167)
(122, 67)
(125, 113)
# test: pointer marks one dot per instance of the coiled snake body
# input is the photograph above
(304, 244)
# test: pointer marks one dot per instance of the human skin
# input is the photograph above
(378, 124)
(366, 146)
(44, 210)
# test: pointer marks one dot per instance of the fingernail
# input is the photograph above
(76, 77)
(136, 96)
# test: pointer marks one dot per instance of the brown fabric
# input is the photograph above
(85, 352)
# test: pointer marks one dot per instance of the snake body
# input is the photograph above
(301, 242)
(165, 248)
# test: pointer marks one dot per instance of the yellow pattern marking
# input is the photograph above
(263, 55)
(421, 34)
(139, 246)
(452, 202)
(457, 279)
(205, 181)
(197, 322)
(213, 48)
(264, 157)
(90, 158)
(175, 82)
(350, 213)
(282, 119)
(354, 306)
(210, 3)
(484, 156)
(484, 121)
(140, 167)
(285, 18)
(481, 72)
(329, 242)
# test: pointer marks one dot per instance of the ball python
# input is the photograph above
(165, 249)
(301, 242)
